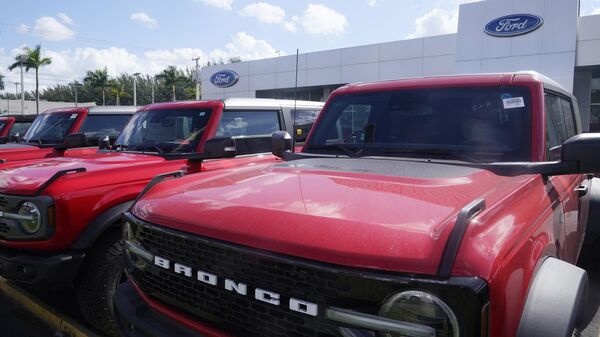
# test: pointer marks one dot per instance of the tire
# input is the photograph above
(101, 273)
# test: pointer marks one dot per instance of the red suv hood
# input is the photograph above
(372, 213)
(26, 177)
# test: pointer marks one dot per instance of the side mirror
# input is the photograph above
(16, 138)
(75, 140)
(281, 142)
(220, 147)
(104, 143)
(583, 149)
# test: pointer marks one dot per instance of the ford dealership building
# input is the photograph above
(547, 36)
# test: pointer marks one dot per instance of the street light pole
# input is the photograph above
(22, 59)
(75, 85)
(152, 89)
(197, 79)
(135, 88)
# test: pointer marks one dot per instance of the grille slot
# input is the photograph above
(243, 316)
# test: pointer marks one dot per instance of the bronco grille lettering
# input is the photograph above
(266, 296)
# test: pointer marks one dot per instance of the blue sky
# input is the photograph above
(146, 36)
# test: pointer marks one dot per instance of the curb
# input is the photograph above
(40, 310)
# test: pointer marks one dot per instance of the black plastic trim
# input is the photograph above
(99, 225)
(40, 271)
(56, 176)
(453, 244)
(157, 179)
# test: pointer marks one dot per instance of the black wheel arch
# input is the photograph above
(107, 219)
(555, 301)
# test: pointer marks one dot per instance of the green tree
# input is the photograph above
(98, 79)
(1, 82)
(171, 77)
(117, 88)
(34, 60)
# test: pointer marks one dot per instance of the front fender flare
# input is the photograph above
(99, 225)
(556, 300)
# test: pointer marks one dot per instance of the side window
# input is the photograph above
(303, 122)
(96, 126)
(556, 131)
(20, 128)
(251, 129)
(568, 115)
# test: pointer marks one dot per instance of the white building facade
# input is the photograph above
(563, 46)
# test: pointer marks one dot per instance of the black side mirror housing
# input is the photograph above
(281, 142)
(583, 149)
(104, 143)
(220, 147)
(75, 140)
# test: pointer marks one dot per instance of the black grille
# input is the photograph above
(325, 285)
(3, 228)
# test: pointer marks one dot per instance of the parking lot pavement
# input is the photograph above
(16, 322)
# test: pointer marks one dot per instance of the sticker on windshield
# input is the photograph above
(73, 116)
(202, 114)
(513, 102)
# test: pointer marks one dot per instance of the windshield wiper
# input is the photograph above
(142, 146)
(433, 152)
(338, 146)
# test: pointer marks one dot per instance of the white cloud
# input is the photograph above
(372, 3)
(222, 4)
(290, 26)
(72, 64)
(48, 28)
(23, 28)
(437, 21)
(143, 18)
(322, 20)
(264, 12)
(65, 19)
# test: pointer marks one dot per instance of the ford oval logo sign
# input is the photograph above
(224, 78)
(513, 25)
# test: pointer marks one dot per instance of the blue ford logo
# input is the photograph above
(512, 25)
(224, 78)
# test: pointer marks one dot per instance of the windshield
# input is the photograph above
(50, 128)
(164, 131)
(469, 123)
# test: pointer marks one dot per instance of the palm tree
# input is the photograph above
(117, 88)
(98, 79)
(170, 78)
(34, 60)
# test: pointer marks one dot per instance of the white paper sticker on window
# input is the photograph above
(73, 116)
(513, 102)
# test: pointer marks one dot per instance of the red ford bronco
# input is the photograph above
(448, 206)
(60, 217)
(13, 125)
(56, 131)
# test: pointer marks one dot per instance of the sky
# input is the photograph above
(147, 36)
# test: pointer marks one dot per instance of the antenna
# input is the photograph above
(295, 105)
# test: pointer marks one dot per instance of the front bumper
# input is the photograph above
(135, 318)
(40, 271)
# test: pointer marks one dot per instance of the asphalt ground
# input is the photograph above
(17, 319)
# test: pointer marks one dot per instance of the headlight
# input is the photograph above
(30, 210)
(421, 308)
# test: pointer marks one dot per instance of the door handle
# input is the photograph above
(581, 190)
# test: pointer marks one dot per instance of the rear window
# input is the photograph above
(481, 123)
(252, 123)
(104, 125)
